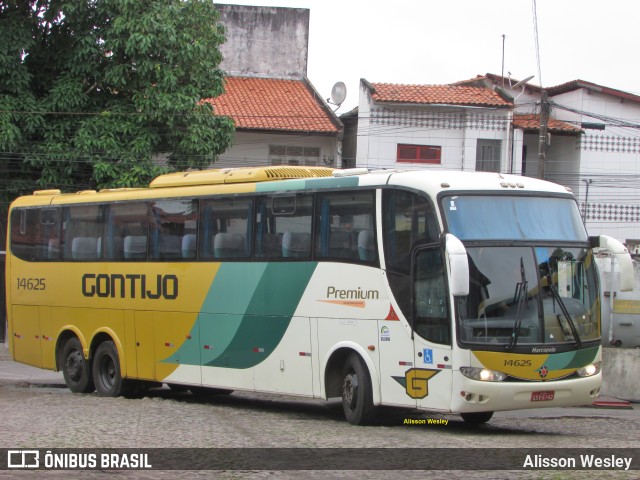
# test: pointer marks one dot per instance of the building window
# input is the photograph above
(488, 155)
(419, 154)
(294, 155)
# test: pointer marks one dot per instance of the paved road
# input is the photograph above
(36, 411)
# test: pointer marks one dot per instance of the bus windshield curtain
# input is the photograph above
(517, 218)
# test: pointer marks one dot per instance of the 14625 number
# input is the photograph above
(31, 284)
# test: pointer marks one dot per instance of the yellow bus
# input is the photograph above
(444, 291)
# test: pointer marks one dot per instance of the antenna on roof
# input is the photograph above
(523, 84)
(338, 94)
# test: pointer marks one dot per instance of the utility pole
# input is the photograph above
(543, 142)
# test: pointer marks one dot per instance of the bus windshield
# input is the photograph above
(511, 217)
(529, 295)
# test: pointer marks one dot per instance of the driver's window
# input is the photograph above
(430, 305)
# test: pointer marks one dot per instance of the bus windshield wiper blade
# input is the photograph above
(520, 296)
(566, 314)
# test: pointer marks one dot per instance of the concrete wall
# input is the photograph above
(620, 373)
(265, 41)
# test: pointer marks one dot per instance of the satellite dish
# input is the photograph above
(338, 93)
(522, 82)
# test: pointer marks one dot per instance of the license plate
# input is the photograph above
(542, 396)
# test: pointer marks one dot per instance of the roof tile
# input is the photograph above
(532, 122)
(273, 104)
(437, 94)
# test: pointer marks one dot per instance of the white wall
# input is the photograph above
(454, 129)
(252, 149)
(610, 158)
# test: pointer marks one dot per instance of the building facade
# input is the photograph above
(491, 123)
(433, 126)
(280, 118)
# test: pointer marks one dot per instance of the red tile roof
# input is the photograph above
(531, 122)
(274, 105)
(437, 94)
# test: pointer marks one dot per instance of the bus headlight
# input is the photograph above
(483, 374)
(590, 370)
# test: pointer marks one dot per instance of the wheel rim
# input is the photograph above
(74, 366)
(350, 391)
(107, 372)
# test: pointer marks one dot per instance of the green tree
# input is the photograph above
(94, 92)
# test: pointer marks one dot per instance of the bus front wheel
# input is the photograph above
(76, 369)
(106, 371)
(476, 418)
(357, 393)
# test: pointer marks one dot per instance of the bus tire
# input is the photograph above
(476, 418)
(106, 371)
(76, 369)
(357, 393)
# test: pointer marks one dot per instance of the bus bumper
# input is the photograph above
(478, 396)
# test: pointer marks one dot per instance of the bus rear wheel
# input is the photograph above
(76, 369)
(106, 371)
(357, 393)
(476, 418)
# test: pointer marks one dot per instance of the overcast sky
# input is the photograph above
(444, 41)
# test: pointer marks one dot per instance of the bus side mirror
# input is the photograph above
(458, 266)
(620, 253)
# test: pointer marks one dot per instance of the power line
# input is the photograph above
(537, 42)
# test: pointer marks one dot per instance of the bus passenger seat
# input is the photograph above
(271, 245)
(84, 248)
(367, 245)
(135, 247)
(53, 249)
(228, 245)
(189, 246)
(340, 244)
(170, 247)
(296, 244)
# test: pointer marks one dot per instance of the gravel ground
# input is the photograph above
(44, 415)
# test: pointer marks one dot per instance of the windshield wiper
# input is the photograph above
(520, 296)
(565, 312)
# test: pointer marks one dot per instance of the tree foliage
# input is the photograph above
(94, 92)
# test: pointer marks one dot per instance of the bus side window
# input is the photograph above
(126, 231)
(409, 220)
(82, 233)
(345, 226)
(283, 226)
(24, 237)
(431, 311)
(49, 233)
(226, 228)
(171, 221)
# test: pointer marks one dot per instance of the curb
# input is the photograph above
(612, 403)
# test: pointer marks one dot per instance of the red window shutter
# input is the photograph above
(419, 154)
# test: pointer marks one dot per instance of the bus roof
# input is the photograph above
(292, 178)
(437, 181)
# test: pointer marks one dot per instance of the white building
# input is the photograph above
(433, 126)
(593, 142)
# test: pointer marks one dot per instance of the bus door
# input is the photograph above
(430, 378)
